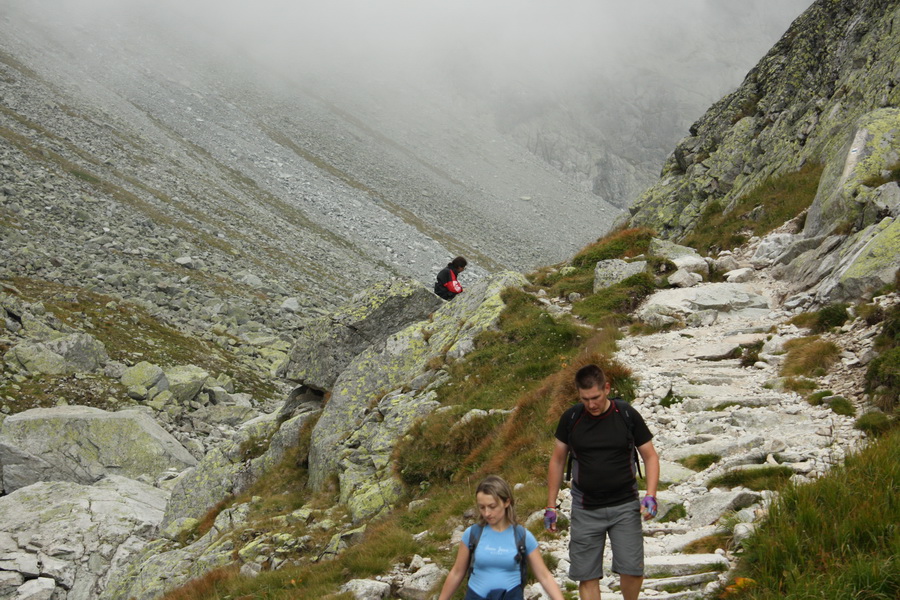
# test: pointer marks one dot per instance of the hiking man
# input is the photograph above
(446, 286)
(602, 435)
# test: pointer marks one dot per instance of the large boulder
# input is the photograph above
(612, 271)
(368, 484)
(726, 300)
(328, 344)
(68, 536)
(846, 187)
(74, 353)
(185, 382)
(398, 360)
(84, 444)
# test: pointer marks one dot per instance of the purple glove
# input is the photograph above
(550, 519)
(650, 506)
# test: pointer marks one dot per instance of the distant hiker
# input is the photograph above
(602, 434)
(446, 286)
(495, 551)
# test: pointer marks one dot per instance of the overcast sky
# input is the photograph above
(538, 42)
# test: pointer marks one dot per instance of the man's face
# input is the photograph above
(595, 399)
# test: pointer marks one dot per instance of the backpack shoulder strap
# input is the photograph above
(521, 552)
(622, 408)
(474, 536)
(570, 425)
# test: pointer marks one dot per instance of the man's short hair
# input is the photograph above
(589, 376)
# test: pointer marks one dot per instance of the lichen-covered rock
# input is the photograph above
(611, 272)
(225, 470)
(146, 375)
(843, 193)
(367, 589)
(866, 262)
(368, 484)
(84, 444)
(327, 345)
(74, 353)
(670, 250)
(160, 566)
(399, 359)
(70, 535)
(185, 382)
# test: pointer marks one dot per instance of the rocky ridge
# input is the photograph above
(827, 93)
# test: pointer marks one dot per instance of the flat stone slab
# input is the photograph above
(683, 564)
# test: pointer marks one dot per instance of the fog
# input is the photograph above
(563, 47)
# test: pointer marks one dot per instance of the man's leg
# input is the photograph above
(627, 541)
(631, 586)
(590, 589)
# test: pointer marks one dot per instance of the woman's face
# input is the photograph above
(492, 509)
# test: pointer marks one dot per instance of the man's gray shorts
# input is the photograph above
(589, 529)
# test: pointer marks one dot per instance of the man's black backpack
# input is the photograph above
(521, 552)
(620, 406)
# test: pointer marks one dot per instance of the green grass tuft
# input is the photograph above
(616, 300)
(875, 423)
(766, 478)
(698, 462)
(759, 212)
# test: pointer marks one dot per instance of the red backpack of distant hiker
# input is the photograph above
(453, 285)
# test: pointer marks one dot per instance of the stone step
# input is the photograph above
(684, 581)
(677, 565)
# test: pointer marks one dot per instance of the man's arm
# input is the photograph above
(555, 474)
(651, 466)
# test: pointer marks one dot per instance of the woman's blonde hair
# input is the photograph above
(498, 488)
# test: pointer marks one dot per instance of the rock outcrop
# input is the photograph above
(62, 539)
(327, 345)
(83, 444)
(368, 385)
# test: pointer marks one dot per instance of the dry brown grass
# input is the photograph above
(809, 356)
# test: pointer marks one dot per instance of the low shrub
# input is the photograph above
(626, 243)
(750, 353)
(874, 423)
(798, 384)
(872, 313)
(816, 398)
(833, 315)
(708, 544)
(670, 399)
(673, 514)
(841, 406)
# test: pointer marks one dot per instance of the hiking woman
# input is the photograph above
(502, 547)
(446, 286)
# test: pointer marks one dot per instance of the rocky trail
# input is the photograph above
(698, 401)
